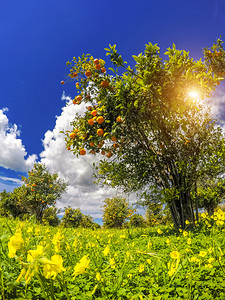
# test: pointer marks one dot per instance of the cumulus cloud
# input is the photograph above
(81, 191)
(12, 151)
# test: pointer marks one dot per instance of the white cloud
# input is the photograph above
(9, 184)
(12, 151)
(78, 172)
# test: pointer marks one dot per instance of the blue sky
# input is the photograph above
(38, 37)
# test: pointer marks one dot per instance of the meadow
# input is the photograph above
(42, 262)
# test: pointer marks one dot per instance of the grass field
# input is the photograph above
(40, 262)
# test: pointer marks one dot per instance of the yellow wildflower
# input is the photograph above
(202, 253)
(15, 243)
(194, 259)
(112, 263)
(159, 231)
(209, 266)
(106, 250)
(81, 267)
(52, 267)
(141, 268)
(185, 233)
(175, 255)
(189, 241)
(32, 254)
(211, 259)
(98, 276)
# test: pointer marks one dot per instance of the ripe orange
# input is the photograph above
(73, 135)
(62, 82)
(74, 75)
(97, 67)
(43, 201)
(103, 152)
(88, 73)
(91, 122)
(68, 148)
(105, 83)
(96, 61)
(115, 146)
(91, 144)
(100, 120)
(94, 113)
(109, 154)
(82, 151)
(74, 101)
(78, 98)
(103, 70)
(100, 131)
(113, 138)
(89, 108)
(118, 119)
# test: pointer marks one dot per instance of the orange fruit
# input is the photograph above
(91, 122)
(100, 131)
(74, 101)
(88, 73)
(97, 67)
(73, 135)
(115, 146)
(89, 108)
(103, 152)
(91, 144)
(113, 138)
(74, 74)
(109, 154)
(96, 61)
(100, 120)
(105, 83)
(103, 70)
(43, 201)
(62, 82)
(94, 113)
(78, 98)
(118, 119)
(82, 151)
(68, 148)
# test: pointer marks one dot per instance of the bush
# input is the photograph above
(137, 220)
(50, 216)
(116, 211)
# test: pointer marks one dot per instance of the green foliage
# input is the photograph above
(154, 132)
(50, 216)
(41, 189)
(74, 218)
(115, 211)
(137, 220)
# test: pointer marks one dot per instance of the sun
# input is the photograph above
(193, 94)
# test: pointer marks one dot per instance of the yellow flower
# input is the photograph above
(32, 254)
(52, 267)
(129, 276)
(208, 266)
(175, 255)
(149, 261)
(141, 268)
(22, 273)
(106, 250)
(194, 259)
(81, 267)
(112, 263)
(187, 222)
(98, 276)
(189, 241)
(211, 259)
(167, 241)
(185, 233)
(15, 243)
(159, 231)
(172, 268)
(202, 253)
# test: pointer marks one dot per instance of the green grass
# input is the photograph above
(149, 263)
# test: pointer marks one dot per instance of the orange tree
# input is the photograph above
(146, 125)
(41, 189)
(115, 211)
